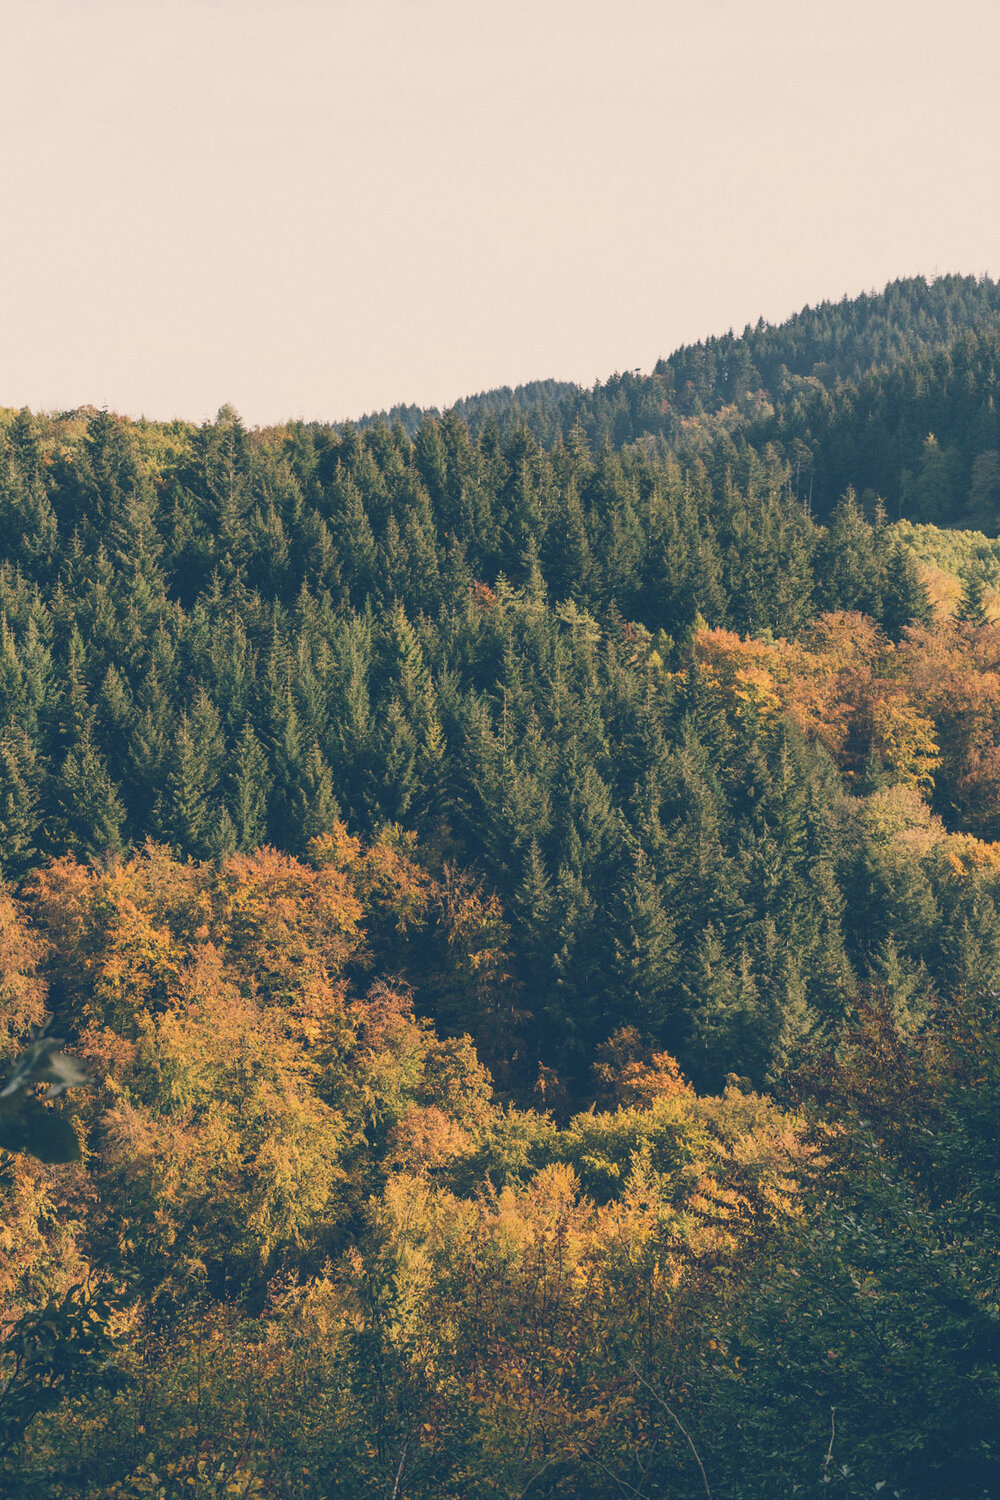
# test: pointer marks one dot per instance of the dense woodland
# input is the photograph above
(523, 885)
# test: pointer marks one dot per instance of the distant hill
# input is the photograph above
(826, 344)
(538, 405)
(891, 393)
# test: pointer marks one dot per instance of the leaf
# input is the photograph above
(43, 1063)
(41, 1133)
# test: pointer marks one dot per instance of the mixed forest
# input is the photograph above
(507, 904)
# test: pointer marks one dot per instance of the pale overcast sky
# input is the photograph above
(315, 209)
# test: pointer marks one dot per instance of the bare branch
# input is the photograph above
(829, 1452)
(399, 1471)
(671, 1413)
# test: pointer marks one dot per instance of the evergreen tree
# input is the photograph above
(933, 493)
(92, 815)
(20, 832)
(251, 788)
(723, 1014)
(848, 567)
(315, 807)
(972, 605)
(644, 955)
(905, 600)
(187, 808)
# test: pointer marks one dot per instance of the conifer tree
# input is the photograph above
(20, 832)
(251, 787)
(972, 605)
(848, 567)
(221, 840)
(91, 814)
(27, 516)
(907, 985)
(13, 696)
(905, 600)
(567, 1019)
(187, 806)
(355, 542)
(315, 808)
(398, 762)
(644, 953)
(933, 492)
(723, 1009)
(431, 459)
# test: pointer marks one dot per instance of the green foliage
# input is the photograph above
(661, 750)
(52, 1353)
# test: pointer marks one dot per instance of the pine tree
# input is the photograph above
(91, 816)
(315, 807)
(905, 600)
(972, 605)
(251, 789)
(20, 830)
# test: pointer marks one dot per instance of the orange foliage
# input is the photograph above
(22, 993)
(842, 686)
(953, 672)
(630, 1075)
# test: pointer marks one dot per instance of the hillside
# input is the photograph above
(524, 885)
(847, 392)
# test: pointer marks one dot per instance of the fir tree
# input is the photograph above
(905, 600)
(972, 605)
(251, 788)
(92, 816)
(315, 807)
(644, 954)
(20, 832)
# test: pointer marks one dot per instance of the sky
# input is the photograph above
(317, 208)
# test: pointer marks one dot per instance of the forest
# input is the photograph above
(506, 903)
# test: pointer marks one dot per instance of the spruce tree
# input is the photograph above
(90, 813)
(187, 806)
(848, 565)
(250, 791)
(644, 954)
(905, 600)
(723, 1017)
(972, 605)
(314, 808)
(20, 830)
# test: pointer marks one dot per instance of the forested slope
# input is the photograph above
(848, 392)
(486, 643)
(437, 837)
